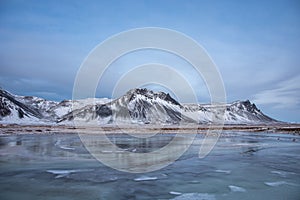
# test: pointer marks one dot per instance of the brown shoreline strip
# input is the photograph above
(40, 129)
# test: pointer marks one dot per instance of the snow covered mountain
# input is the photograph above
(136, 106)
(12, 109)
(145, 106)
(29, 109)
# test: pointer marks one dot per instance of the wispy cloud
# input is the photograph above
(285, 95)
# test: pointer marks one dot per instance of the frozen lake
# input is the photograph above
(242, 165)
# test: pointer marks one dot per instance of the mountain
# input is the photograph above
(147, 107)
(12, 109)
(29, 109)
(136, 106)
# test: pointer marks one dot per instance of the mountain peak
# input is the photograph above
(151, 95)
(246, 105)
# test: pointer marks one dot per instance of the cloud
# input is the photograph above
(35, 87)
(285, 95)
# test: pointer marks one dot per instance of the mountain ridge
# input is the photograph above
(137, 106)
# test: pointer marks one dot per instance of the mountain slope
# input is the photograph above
(29, 109)
(12, 110)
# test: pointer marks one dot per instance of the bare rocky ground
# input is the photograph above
(7, 129)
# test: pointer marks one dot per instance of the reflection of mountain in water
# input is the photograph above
(140, 145)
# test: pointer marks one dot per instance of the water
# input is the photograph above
(241, 166)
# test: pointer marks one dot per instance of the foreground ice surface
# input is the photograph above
(175, 193)
(223, 171)
(279, 183)
(145, 178)
(198, 196)
(63, 173)
(234, 188)
(241, 166)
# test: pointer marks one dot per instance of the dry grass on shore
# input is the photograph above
(111, 129)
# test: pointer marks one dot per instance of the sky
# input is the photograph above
(254, 44)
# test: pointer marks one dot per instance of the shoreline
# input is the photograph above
(15, 129)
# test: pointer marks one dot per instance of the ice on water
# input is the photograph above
(234, 188)
(195, 196)
(145, 178)
(265, 168)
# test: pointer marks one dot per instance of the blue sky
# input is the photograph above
(255, 44)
